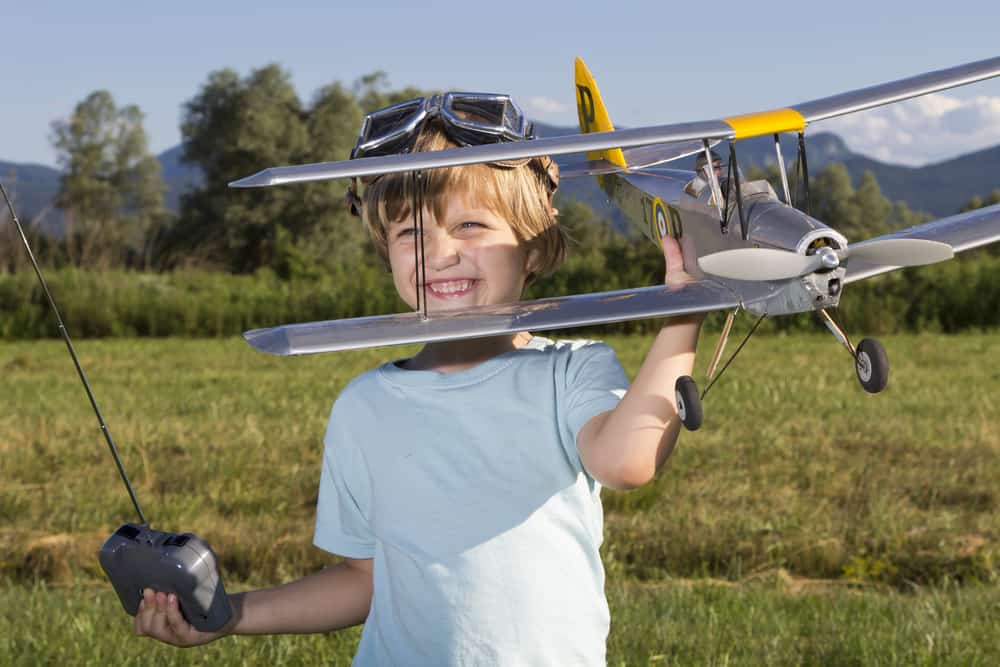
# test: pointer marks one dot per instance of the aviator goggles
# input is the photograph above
(469, 119)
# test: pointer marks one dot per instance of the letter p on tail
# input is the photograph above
(593, 115)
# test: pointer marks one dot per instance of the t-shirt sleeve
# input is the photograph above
(595, 383)
(342, 510)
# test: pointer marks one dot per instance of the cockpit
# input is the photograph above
(700, 186)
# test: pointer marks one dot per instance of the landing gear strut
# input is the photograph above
(870, 360)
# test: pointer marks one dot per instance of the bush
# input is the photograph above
(950, 297)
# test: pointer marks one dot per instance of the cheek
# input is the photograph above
(401, 266)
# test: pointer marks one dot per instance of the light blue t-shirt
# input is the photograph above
(468, 491)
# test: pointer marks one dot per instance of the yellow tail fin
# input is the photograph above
(593, 115)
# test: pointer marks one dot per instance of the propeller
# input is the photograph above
(771, 264)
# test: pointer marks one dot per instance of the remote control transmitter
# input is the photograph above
(137, 557)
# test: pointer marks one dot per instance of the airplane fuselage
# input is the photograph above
(662, 202)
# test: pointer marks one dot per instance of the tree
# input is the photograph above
(870, 209)
(831, 193)
(978, 202)
(111, 189)
(235, 127)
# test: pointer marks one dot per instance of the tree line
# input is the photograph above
(111, 195)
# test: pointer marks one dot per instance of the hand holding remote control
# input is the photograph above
(137, 558)
(160, 617)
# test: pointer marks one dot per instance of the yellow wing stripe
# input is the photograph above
(766, 122)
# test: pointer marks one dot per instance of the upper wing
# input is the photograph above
(793, 118)
(554, 313)
(962, 232)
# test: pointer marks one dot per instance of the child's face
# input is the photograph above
(473, 258)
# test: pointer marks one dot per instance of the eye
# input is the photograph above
(405, 232)
(472, 224)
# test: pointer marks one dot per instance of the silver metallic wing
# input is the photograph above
(962, 232)
(554, 313)
(794, 117)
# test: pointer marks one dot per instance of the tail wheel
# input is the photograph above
(872, 365)
(688, 402)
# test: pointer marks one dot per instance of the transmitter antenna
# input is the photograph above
(76, 360)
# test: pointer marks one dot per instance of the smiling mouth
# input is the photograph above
(449, 289)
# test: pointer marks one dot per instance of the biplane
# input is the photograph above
(746, 247)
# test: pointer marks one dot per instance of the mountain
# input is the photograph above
(33, 188)
(940, 189)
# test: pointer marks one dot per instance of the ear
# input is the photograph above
(533, 260)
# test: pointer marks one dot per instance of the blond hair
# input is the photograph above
(521, 194)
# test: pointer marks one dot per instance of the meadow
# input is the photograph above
(806, 523)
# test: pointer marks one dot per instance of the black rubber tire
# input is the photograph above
(872, 365)
(688, 402)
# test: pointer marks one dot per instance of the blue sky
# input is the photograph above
(656, 62)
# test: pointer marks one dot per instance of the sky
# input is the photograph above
(656, 62)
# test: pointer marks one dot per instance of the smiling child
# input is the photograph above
(462, 485)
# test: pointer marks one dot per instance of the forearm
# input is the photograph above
(638, 436)
(336, 597)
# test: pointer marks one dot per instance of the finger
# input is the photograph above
(158, 619)
(147, 607)
(140, 615)
(176, 621)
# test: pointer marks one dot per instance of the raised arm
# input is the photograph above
(335, 597)
(623, 448)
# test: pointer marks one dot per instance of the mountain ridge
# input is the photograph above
(940, 188)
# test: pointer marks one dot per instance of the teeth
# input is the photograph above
(451, 286)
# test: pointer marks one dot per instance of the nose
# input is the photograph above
(441, 251)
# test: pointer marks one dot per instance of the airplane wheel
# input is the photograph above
(872, 365)
(688, 402)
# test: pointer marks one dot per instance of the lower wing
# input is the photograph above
(698, 296)
(964, 231)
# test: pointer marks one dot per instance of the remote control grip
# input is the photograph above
(137, 557)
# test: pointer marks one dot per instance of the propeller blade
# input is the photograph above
(900, 252)
(759, 264)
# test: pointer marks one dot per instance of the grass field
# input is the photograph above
(806, 523)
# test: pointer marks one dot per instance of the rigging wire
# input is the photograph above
(737, 351)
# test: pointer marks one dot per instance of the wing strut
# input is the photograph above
(803, 169)
(714, 181)
(734, 177)
(781, 169)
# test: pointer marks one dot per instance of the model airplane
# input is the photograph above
(746, 247)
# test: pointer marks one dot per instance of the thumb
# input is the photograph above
(672, 255)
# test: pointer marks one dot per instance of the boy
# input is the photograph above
(462, 485)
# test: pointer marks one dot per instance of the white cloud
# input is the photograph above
(538, 106)
(921, 131)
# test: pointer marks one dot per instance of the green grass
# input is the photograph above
(768, 622)
(806, 523)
